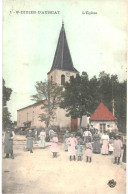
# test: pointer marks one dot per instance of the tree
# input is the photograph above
(6, 118)
(6, 115)
(110, 88)
(76, 96)
(82, 96)
(50, 92)
(6, 94)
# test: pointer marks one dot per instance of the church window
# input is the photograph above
(62, 79)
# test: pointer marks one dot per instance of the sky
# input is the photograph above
(97, 42)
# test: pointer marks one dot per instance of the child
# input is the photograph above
(54, 145)
(72, 142)
(42, 139)
(66, 136)
(79, 151)
(88, 151)
(111, 145)
(117, 149)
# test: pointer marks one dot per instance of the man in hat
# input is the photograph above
(117, 149)
(8, 143)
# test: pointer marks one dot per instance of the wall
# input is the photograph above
(56, 74)
(30, 114)
(113, 125)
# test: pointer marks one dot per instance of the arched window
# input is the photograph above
(51, 78)
(62, 79)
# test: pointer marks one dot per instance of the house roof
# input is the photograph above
(102, 114)
(62, 59)
(35, 104)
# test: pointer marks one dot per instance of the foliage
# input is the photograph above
(50, 92)
(76, 96)
(82, 96)
(6, 116)
(6, 94)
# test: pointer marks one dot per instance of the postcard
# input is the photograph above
(64, 96)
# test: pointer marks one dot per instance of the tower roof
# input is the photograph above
(102, 114)
(62, 59)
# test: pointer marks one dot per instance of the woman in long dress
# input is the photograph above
(105, 143)
(42, 138)
(96, 144)
(72, 142)
(8, 143)
(30, 137)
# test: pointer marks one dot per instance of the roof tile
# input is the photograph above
(102, 113)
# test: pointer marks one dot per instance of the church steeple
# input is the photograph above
(62, 59)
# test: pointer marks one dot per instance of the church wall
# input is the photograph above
(29, 114)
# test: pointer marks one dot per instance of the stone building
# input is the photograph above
(102, 119)
(61, 71)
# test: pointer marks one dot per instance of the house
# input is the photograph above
(102, 119)
(61, 71)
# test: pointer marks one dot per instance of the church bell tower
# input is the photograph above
(62, 68)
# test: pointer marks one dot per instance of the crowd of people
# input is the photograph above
(76, 144)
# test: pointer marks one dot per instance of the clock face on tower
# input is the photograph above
(67, 74)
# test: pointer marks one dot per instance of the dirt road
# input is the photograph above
(40, 173)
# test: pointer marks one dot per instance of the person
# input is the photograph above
(124, 152)
(51, 132)
(117, 149)
(36, 136)
(105, 142)
(88, 151)
(96, 144)
(42, 138)
(79, 150)
(92, 130)
(111, 148)
(112, 134)
(30, 137)
(66, 136)
(72, 142)
(87, 134)
(54, 145)
(8, 143)
(79, 133)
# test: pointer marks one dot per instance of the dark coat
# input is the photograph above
(30, 137)
(8, 143)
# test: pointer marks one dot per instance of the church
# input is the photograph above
(61, 71)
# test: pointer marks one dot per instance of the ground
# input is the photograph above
(38, 172)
